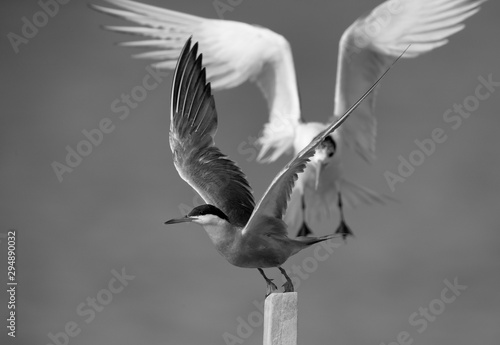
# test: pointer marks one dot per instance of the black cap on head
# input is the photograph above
(207, 209)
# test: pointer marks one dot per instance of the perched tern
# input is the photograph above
(236, 52)
(247, 236)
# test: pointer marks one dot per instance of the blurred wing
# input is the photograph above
(234, 52)
(192, 129)
(275, 200)
(370, 43)
(322, 202)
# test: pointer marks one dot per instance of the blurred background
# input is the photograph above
(106, 216)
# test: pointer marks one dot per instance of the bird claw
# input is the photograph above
(287, 287)
(344, 230)
(271, 287)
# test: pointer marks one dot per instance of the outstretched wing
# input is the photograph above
(368, 46)
(193, 123)
(275, 200)
(234, 52)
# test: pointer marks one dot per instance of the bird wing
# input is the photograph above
(198, 161)
(275, 200)
(368, 45)
(234, 52)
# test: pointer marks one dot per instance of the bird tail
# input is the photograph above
(308, 241)
(300, 243)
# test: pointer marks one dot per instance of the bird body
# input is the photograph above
(245, 235)
(235, 52)
(267, 246)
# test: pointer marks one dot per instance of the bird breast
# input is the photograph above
(255, 249)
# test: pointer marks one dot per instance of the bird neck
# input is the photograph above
(222, 234)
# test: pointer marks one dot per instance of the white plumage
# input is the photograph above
(236, 52)
(246, 235)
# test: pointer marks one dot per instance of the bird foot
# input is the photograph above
(304, 230)
(344, 230)
(271, 287)
(288, 287)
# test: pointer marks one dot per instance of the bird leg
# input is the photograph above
(270, 285)
(304, 229)
(343, 229)
(288, 286)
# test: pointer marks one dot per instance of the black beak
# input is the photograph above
(185, 219)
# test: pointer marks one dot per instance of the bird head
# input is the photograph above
(203, 215)
(323, 156)
(306, 132)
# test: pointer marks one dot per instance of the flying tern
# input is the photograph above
(236, 52)
(246, 235)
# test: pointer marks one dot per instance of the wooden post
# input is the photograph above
(280, 319)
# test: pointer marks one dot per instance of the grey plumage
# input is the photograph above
(217, 179)
(248, 237)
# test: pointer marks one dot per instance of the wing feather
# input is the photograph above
(234, 53)
(369, 44)
(275, 200)
(193, 125)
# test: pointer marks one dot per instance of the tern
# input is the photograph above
(236, 52)
(246, 235)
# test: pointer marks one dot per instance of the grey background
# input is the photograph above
(109, 212)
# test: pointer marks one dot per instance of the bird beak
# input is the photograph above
(185, 219)
(318, 167)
